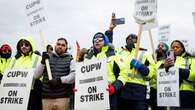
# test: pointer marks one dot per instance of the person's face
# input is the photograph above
(98, 43)
(6, 51)
(25, 47)
(60, 47)
(176, 47)
(161, 47)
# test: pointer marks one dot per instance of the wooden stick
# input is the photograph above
(137, 46)
(168, 108)
(46, 61)
(152, 44)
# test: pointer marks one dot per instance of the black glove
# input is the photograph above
(45, 56)
(1, 76)
(183, 73)
(55, 82)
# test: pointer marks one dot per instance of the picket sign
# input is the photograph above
(91, 83)
(152, 44)
(145, 10)
(168, 87)
(38, 20)
(15, 89)
(164, 33)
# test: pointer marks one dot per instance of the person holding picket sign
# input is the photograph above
(133, 94)
(25, 58)
(56, 92)
(186, 64)
(116, 71)
(161, 54)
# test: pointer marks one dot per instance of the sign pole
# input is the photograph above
(152, 44)
(46, 60)
(137, 46)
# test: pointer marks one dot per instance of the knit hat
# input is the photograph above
(101, 35)
(5, 46)
(133, 36)
(166, 47)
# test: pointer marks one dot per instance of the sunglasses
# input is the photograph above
(98, 40)
(24, 44)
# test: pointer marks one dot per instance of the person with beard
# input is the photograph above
(161, 54)
(25, 58)
(57, 91)
(186, 65)
(133, 94)
(5, 53)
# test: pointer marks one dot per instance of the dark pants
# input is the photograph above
(187, 99)
(152, 102)
(124, 104)
(35, 99)
(113, 101)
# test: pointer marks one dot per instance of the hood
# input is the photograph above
(30, 40)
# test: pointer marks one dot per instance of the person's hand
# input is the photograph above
(111, 89)
(74, 90)
(135, 63)
(143, 69)
(45, 56)
(55, 82)
(112, 25)
(168, 63)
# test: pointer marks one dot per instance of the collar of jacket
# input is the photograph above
(63, 55)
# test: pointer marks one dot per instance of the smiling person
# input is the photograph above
(25, 58)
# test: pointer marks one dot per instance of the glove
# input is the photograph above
(45, 56)
(55, 82)
(143, 69)
(184, 73)
(117, 85)
(111, 89)
(135, 63)
(74, 90)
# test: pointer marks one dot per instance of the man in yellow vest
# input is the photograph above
(133, 94)
(25, 58)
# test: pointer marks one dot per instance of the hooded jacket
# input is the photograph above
(25, 61)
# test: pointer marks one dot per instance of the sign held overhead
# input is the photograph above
(145, 11)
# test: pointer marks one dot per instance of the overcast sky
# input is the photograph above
(81, 19)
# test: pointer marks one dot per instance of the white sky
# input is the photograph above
(81, 19)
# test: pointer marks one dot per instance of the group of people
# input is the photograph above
(127, 75)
